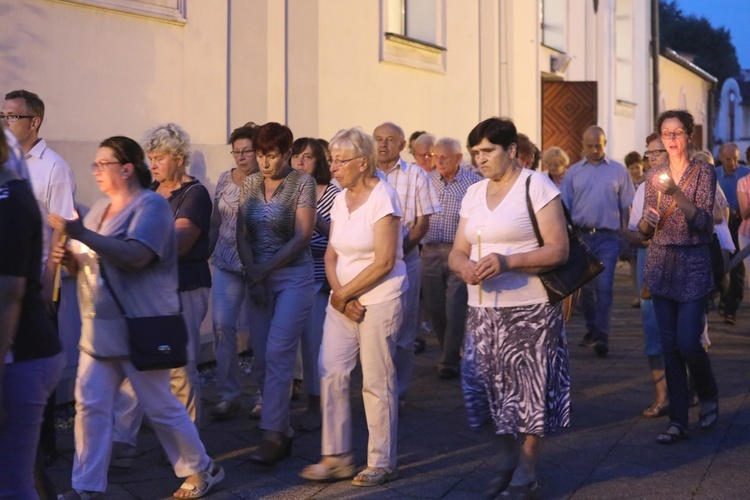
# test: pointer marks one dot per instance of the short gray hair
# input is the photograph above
(450, 144)
(360, 142)
(171, 139)
(555, 152)
(424, 139)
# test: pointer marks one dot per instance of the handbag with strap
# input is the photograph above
(156, 342)
(581, 267)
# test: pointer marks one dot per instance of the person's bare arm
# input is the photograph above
(213, 232)
(187, 234)
(416, 233)
(459, 259)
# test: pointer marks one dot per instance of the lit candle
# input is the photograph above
(479, 254)
(663, 177)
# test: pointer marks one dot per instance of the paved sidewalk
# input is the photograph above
(608, 452)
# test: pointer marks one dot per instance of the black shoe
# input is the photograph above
(601, 348)
(419, 345)
(672, 435)
(447, 373)
(709, 415)
(587, 340)
(730, 319)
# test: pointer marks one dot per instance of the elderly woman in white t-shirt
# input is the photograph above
(365, 268)
(515, 368)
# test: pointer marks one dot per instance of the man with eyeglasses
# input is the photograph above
(54, 186)
(598, 192)
(419, 202)
(423, 151)
(728, 175)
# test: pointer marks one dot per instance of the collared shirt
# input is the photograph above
(16, 160)
(728, 183)
(414, 190)
(54, 187)
(597, 195)
(444, 224)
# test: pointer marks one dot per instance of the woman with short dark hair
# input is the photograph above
(275, 222)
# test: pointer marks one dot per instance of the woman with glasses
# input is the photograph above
(129, 238)
(308, 156)
(364, 265)
(657, 157)
(275, 220)
(228, 289)
(678, 219)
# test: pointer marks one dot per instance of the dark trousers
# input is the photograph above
(681, 326)
(732, 296)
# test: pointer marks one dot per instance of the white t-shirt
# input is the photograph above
(353, 239)
(506, 230)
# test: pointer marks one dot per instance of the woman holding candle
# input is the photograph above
(515, 369)
(678, 270)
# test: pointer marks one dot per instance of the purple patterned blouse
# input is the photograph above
(678, 263)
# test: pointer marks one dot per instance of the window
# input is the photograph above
(624, 51)
(415, 19)
(413, 33)
(554, 14)
(172, 11)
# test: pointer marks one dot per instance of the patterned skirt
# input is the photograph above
(515, 369)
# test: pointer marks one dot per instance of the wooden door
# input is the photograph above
(568, 108)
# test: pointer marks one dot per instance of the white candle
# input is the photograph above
(479, 255)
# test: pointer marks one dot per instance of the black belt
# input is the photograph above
(592, 230)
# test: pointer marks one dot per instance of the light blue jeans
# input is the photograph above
(276, 329)
(228, 292)
(312, 336)
(651, 335)
(26, 387)
(596, 295)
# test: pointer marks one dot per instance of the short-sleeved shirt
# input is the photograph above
(54, 187)
(319, 241)
(16, 160)
(444, 224)
(227, 198)
(353, 239)
(743, 189)
(271, 223)
(151, 291)
(191, 201)
(415, 192)
(597, 195)
(506, 230)
(20, 254)
(729, 184)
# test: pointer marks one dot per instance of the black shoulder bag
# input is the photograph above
(581, 267)
(156, 342)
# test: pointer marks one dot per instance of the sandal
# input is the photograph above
(339, 467)
(374, 476)
(206, 480)
(656, 409)
(709, 414)
(672, 435)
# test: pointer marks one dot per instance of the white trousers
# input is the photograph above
(97, 385)
(404, 357)
(374, 339)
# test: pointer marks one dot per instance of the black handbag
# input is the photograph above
(581, 267)
(156, 342)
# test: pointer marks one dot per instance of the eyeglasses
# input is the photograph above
(244, 152)
(673, 134)
(304, 157)
(341, 163)
(426, 156)
(654, 152)
(99, 166)
(14, 118)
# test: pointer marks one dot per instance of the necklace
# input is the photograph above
(509, 176)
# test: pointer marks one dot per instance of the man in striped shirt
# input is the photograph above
(444, 293)
(419, 202)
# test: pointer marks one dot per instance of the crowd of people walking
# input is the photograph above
(327, 250)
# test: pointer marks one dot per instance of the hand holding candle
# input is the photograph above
(58, 272)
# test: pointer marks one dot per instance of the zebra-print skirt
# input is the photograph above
(515, 369)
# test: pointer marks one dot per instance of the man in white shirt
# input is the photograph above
(418, 201)
(54, 186)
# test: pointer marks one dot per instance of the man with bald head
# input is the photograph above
(728, 175)
(443, 291)
(419, 202)
(598, 192)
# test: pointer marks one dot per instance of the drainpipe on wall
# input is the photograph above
(655, 55)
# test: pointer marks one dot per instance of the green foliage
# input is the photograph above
(712, 47)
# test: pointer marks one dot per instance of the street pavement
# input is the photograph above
(608, 452)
